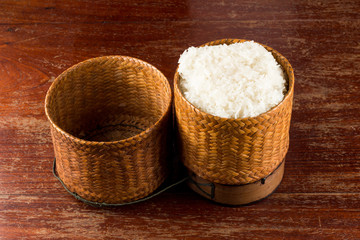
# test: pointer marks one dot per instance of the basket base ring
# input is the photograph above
(161, 189)
(237, 194)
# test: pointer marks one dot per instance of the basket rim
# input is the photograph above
(289, 93)
(122, 58)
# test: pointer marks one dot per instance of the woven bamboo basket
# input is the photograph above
(229, 154)
(109, 119)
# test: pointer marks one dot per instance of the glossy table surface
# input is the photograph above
(319, 197)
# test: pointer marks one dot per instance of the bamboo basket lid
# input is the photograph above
(109, 119)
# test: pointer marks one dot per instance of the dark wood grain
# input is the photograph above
(319, 197)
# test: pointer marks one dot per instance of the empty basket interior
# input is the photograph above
(108, 99)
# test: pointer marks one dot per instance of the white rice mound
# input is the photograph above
(231, 81)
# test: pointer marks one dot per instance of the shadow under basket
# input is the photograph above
(234, 161)
(109, 120)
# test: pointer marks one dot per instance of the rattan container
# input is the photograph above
(109, 120)
(234, 161)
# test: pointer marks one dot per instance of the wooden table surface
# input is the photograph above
(319, 197)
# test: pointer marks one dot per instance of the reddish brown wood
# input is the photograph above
(319, 197)
(237, 194)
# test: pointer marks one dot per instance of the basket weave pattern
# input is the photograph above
(109, 123)
(234, 151)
